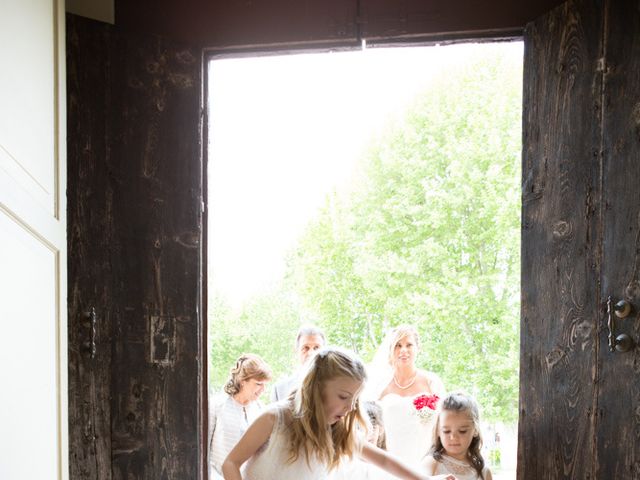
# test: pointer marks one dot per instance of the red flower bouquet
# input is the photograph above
(425, 406)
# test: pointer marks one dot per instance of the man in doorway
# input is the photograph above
(309, 340)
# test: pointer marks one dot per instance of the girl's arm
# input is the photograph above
(429, 465)
(487, 474)
(390, 464)
(255, 436)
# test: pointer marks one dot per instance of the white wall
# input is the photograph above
(33, 313)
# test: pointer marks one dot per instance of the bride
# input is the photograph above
(400, 382)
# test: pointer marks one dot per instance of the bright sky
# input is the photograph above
(287, 130)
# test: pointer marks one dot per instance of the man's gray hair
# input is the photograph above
(306, 330)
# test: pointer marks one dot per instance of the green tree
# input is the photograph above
(431, 236)
(265, 326)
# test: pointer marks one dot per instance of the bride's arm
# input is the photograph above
(392, 465)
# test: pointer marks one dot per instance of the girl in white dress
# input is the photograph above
(408, 434)
(457, 440)
(309, 435)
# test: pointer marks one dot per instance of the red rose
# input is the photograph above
(429, 401)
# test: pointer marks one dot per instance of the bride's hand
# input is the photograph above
(444, 477)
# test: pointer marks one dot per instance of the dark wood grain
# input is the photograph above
(560, 243)
(90, 230)
(418, 19)
(618, 429)
(135, 222)
(222, 24)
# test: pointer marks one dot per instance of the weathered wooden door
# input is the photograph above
(579, 401)
(135, 243)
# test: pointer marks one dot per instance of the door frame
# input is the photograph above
(210, 54)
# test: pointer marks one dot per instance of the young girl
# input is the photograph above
(308, 436)
(457, 440)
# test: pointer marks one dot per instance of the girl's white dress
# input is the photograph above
(462, 470)
(408, 437)
(270, 462)
(357, 469)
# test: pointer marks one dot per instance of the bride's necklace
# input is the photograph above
(404, 387)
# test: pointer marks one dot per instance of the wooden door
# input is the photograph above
(618, 374)
(580, 231)
(33, 357)
(135, 243)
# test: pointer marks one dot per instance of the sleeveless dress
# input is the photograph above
(462, 470)
(270, 462)
(408, 437)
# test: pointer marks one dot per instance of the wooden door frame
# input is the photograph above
(210, 54)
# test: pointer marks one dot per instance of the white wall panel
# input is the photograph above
(28, 355)
(33, 275)
(28, 97)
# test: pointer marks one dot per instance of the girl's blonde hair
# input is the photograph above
(459, 402)
(247, 367)
(397, 334)
(310, 432)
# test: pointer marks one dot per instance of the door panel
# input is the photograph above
(560, 243)
(29, 98)
(579, 400)
(618, 425)
(33, 359)
(135, 197)
(30, 325)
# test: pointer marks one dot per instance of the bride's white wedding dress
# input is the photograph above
(408, 437)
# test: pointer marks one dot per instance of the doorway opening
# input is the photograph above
(360, 190)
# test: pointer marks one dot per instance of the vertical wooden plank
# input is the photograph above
(138, 174)
(560, 231)
(619, 420)
(156, 162)
(90, 233)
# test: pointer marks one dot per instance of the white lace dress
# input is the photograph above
(408, 437)
(462, 470)
(270, 462)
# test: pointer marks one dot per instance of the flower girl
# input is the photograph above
(457, 440)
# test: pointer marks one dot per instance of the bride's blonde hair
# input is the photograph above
(397, 334)
(309, 431)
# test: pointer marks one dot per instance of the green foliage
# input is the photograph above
(265, 326)
(429, 236)
(495, 457)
